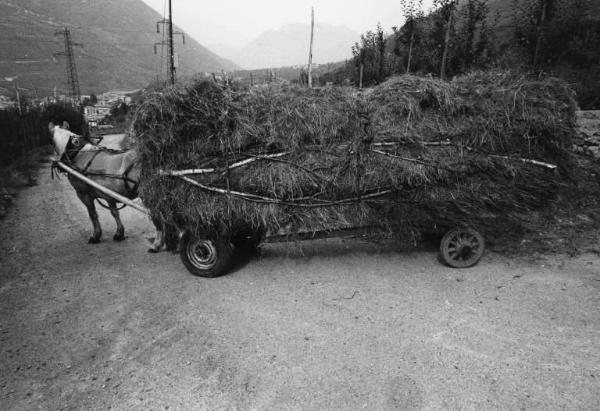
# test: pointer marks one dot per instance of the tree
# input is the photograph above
(546, 29)
(472, 47)
(380, 42)
(118, 112)
(562, 37)
(412, 11)
(369, 57)
(446, 9)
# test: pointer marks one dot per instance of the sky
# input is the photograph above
(224, 25)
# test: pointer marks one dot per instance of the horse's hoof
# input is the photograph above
(118, 237)
(93, 240)
(153, 250)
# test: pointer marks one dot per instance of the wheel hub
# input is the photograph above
(462, 247)
(202, 253)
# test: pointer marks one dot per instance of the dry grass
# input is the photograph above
(482, 125)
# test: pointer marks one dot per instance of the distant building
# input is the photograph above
(6, 102)
(110, 98)
(95, 113)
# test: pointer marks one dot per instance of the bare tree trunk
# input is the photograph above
(410, 49)
(446, 44)
(538, 40)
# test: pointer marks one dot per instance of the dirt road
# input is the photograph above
(340, 325)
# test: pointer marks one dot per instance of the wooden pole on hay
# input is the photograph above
(102, 189)
(360, 75)
(310, 51)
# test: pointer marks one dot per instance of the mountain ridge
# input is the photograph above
(288, 46)
(117, 54)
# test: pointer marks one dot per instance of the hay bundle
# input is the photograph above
(408, 155)
(496, 112)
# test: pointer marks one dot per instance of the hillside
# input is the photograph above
(289, 45)
(117, 52)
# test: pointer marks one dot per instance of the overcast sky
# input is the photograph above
(233, 23)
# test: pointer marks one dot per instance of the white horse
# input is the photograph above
(117, 171)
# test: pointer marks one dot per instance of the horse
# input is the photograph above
(114, 169)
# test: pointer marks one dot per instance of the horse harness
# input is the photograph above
(73, 148)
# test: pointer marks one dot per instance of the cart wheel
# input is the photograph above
(462, 247)
(205, 257)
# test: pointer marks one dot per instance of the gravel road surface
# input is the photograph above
(335, 324)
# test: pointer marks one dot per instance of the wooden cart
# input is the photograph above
(212, 256)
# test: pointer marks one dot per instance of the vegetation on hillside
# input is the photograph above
(25, 127)
(22, 141)
(116, 39)
(561, 38)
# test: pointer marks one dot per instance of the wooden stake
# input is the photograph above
(310, 51)
(360, 76)
(539, 34)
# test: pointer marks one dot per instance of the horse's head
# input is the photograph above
(60, 138)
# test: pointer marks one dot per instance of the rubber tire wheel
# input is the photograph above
(462, 247)
(205, 257)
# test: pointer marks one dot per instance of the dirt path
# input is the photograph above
(342, 326)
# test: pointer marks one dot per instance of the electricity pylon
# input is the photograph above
(169, 43)
(72, 77)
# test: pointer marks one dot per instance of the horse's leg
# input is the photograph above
(120, 234)
(159, 241)
(88, 201)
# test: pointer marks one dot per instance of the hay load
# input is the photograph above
(496, 113)
(409, 155)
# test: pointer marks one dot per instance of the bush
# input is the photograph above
(26, 128)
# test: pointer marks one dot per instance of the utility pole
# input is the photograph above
(170, 44)
(72, 77)
(171, 49)
(312, 30)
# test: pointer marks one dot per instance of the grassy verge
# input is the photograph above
(20, 174)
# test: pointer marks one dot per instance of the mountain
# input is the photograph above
(117, 38)
(289, 46)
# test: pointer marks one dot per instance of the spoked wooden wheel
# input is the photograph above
(205, 257)
(462, 247)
